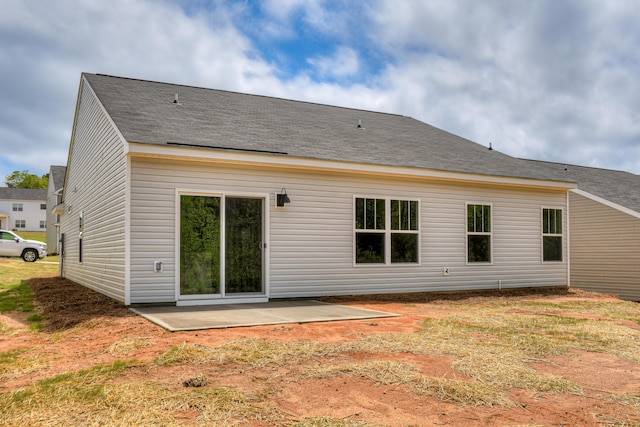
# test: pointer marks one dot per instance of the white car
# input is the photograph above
(13, 245)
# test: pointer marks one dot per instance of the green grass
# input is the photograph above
(41, 236)
(16, 298)
(15, 294)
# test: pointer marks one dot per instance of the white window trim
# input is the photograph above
(386, 231)
(561, 235)
(468, 233)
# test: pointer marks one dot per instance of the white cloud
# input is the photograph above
(47, 45)
(343, 64)
(547, 80)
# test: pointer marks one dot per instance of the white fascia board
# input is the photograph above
(282, 161)
(607, 202)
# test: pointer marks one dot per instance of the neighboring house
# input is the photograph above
(171, 196)
(604, 218)
(23, 209)
(54, 198)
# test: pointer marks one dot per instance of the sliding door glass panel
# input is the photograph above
(199, 245)
(243, 245)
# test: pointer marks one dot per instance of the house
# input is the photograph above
(54, 198)
(23, 209)
(185, 195)
(604, 217)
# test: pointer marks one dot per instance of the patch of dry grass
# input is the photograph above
(332, 422)
(629, 399)
(247, 352)
(90, 397)
(396, 373)
(128, 346)
(14, 364)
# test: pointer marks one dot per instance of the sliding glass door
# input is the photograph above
(221, 246)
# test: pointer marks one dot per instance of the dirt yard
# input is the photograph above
(346, 382)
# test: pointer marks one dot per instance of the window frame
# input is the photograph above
(544, 234)
(478, 233)
(80, 236)
(22, 222)
(18, 207)
(387, 231)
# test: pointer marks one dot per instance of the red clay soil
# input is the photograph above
(81, 325)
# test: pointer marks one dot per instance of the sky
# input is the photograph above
(555, 80)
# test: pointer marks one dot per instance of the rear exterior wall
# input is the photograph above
(311, 242)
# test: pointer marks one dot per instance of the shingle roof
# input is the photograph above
(56, 175)
(619, 187)
(145, 112)
(7, 193)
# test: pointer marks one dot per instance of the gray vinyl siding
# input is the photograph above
(311, 249)
(605, 248)
(96, 186)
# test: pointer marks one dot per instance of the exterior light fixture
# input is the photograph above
(282, 198)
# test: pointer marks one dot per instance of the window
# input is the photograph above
(552, 234)
(6, 236)
(386, 231)
(43, 224)
(43, 206)
(17, 207)
(21, 223)
(80, 235)
(478, 233)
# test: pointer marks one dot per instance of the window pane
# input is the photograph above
(471, 218)
(552, 248)
(486, 219)
(360, 214)
(370, 217)
(479, 248)
(243, 245)
(199, 245)
(558, 221)
(380, 224)
(370, 248)
(404, 247)
(545, 221)
(395, 215)
(478, 216)
(413, 205)
(404, 214)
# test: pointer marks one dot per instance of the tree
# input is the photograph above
(24, 179)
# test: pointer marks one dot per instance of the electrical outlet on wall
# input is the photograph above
(158, 266)
(445, 271)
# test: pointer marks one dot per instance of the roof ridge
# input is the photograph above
(247, 94)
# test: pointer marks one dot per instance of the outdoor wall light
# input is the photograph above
(282, 198)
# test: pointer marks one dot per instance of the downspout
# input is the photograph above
(568, 243)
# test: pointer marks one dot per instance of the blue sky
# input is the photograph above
(553, 80)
